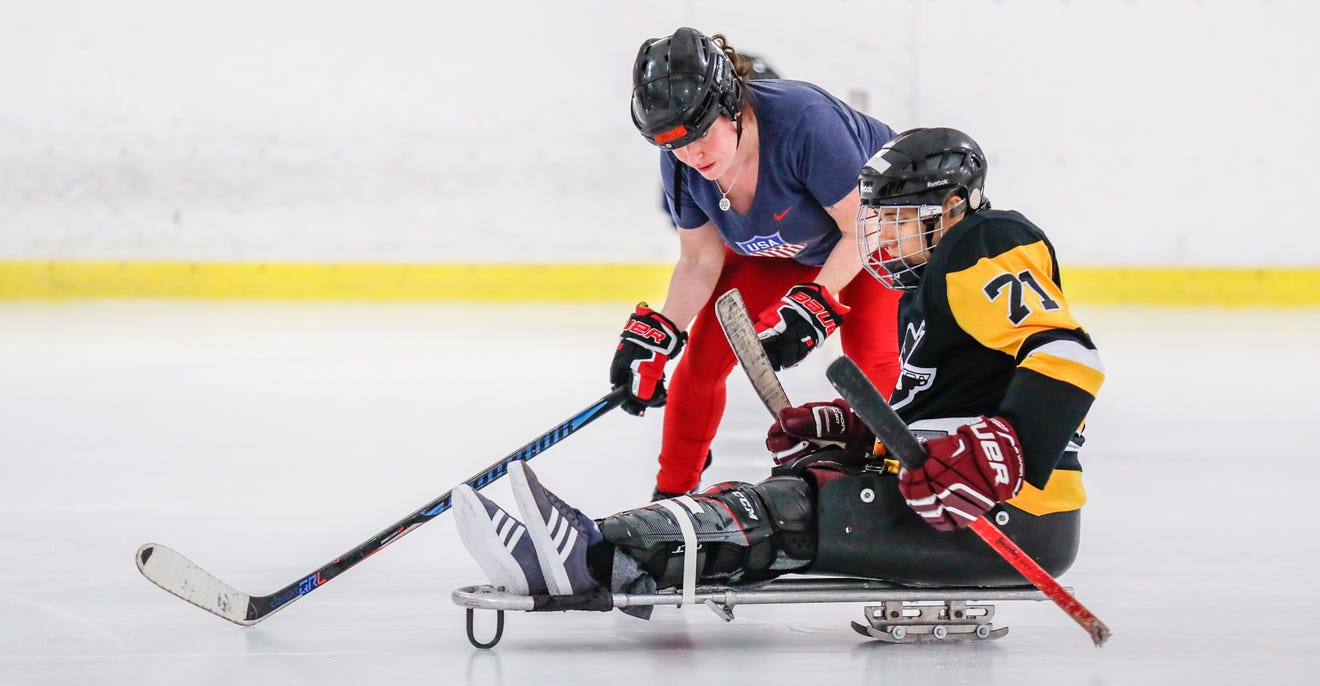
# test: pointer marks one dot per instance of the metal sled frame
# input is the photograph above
(905, 614)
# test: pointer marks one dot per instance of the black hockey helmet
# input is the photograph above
(908, 180)
(921, 166)
(681, 84)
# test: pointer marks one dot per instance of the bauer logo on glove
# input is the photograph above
(649, 340)
(966, 474)
(791, 328)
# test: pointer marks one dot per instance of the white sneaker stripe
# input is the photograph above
(568, 544)
(511, 534)
(554, 523)
(501, 521)
(514, 537)
(561, 535)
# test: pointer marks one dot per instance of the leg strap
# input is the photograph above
(731, 533)
(678, 508)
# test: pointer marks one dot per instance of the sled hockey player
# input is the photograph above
(997, 378)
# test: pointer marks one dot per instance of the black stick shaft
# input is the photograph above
(870, 405)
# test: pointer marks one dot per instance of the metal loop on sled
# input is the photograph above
(499, 630)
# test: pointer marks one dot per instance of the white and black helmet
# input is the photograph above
(921, 166)
(918, 169)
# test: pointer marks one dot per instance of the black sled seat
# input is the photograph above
(903, 614)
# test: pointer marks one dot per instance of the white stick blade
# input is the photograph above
(741, 332)
(179, 576)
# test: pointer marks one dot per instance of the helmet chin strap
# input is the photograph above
(959, 209)
(937, 222)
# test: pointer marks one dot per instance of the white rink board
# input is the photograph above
(1135, 133)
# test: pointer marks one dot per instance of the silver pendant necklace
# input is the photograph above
(724, 195)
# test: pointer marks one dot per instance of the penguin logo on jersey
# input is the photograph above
(914, 379)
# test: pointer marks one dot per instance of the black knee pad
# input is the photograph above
(791, 505)
(744, 532)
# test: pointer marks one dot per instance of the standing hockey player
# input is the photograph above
(760, 178)
(997, 376)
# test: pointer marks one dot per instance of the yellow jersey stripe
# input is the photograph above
(1079, 374)
(1064, 492)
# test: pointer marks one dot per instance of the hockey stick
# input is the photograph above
(741, 332)
(899, 441)
(176, 574)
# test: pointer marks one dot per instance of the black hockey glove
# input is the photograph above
(647, 343)
(798, 323)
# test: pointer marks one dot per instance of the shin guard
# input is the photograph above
(744, 533)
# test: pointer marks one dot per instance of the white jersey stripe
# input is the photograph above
(1074, 352)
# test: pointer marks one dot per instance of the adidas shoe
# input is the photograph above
(498, 542)
(559, 532)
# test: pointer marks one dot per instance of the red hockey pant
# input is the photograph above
(697, 390)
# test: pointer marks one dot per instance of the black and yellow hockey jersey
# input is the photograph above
(988, 332)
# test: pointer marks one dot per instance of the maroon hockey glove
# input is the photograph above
(798, 323)
(966, 473)
(800, 429)
(648, 342)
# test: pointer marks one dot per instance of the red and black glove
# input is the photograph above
(648, 342)
(966, 473)
(798, 323)
(800, 429)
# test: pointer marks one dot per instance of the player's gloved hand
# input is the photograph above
(798, 323)
(648, 342)
(966, 473)
(800, 430)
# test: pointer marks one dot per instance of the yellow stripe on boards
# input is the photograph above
(61, 280)
(1193, 287)
(308, 281)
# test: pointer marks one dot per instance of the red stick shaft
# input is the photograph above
(1041, 579)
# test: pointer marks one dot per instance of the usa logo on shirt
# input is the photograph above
(770, 246)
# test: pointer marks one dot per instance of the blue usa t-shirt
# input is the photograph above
(812, 146)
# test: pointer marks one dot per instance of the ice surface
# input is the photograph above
(262, 440)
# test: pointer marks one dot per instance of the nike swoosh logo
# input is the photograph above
(783, 214)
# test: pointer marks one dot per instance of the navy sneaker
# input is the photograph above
(498, 542)
(559, 532)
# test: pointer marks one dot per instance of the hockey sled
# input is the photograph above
(902, 614)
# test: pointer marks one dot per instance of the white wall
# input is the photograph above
(1146, 132)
